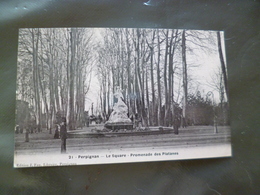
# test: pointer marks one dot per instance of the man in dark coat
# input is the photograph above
(177, 121)
(63, 135)
(86, 118)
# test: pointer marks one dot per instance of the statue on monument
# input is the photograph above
(118, 118)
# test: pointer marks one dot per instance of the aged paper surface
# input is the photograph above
(116, 95)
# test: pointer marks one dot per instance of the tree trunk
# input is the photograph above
(165, 78)
(152, 80)
(71, 123)
(43, 88)
(170, 72)
(185, 80)
(158, 80)
(222, 61)
(35, 41)
(129, 92)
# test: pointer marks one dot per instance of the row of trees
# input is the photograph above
(202, 110)
(151, 66)
(54, 72)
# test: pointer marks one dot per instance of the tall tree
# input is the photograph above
(222, 62)
(185, 78)
(165, 76)
(35, 46)
(71, 122)
(151, 46)
(158, 78)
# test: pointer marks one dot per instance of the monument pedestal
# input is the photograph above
(118, 126)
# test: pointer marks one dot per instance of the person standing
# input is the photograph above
(177, 121)
(87, 118)
(63, 135)
(57, 133)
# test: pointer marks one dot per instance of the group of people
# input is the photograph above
(88, 119)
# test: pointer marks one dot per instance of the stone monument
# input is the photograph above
(118, 118)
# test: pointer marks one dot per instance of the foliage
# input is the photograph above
(200, 111)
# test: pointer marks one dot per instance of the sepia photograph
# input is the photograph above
(120, 95)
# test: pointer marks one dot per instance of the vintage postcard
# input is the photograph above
(116, 95)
